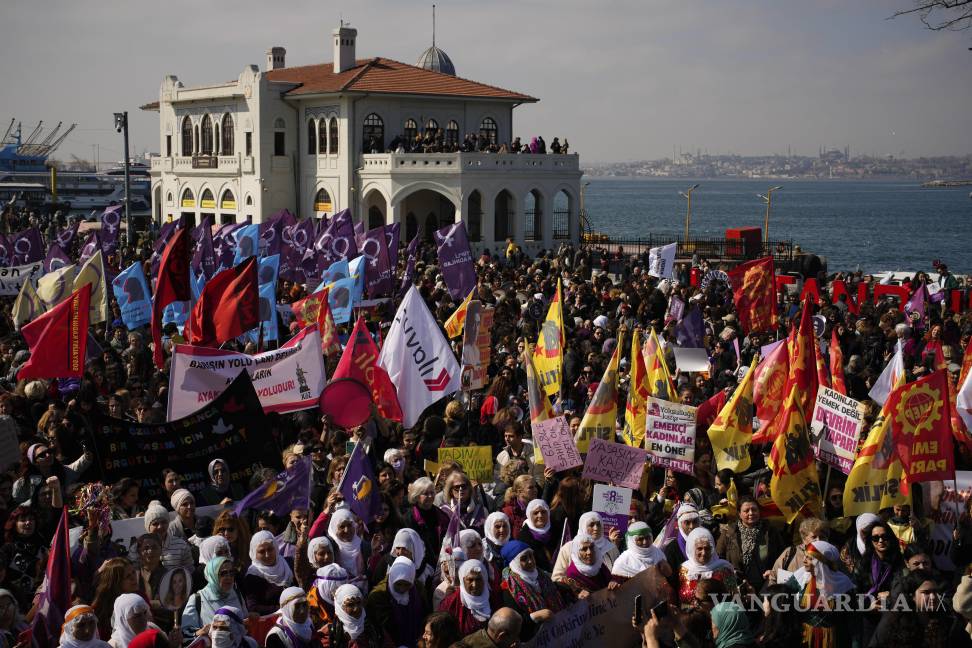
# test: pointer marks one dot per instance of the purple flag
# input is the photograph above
(65, 238)
(91, 246)
(4, 251)
(455, 524)
(27, 247)
(336, 242)
(915, 307)
(204, 258)
(359, 486)
(409, 275)
(271, 235)
(670, 530)
(455, 260)
(377, 269)
(393, 235)
(359, 234)
(298, 239)
(54, 594)
(690, 331)
(110, 226)
(287, 491)
(224, 244)
(56, 258)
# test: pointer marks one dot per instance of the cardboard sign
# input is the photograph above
(835, 429)
(476, 345)
(614, 505)
(555, 442)
(476, 461)
(689, 360)
(614, 463)
(670, 434)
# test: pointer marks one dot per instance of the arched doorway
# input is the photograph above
(533, 216)
(374, 205)
(375, 217)
(431, 225)
(503, 216)
(429, 209)
(322, 203)
(562, 208)
(411, 226)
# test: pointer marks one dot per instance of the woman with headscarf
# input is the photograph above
(702, 562)
(352, 628)
(320, 552)
(220, 591)
(228, 631)
(686, 519)
(397, 603)
(853, 550)
(407, 543)
(267, 576)
(528, 590)
(80, 629)
(184, 504)
(818, 581)
(450, 560)
(293, 628)
(175, 550)
(591, 524)
(220, 487)
(538, 534)
(131, 616)
(320, 598)
(640, 555)
(342, 529)
(586, 572)
(730, 627)
(472, 602)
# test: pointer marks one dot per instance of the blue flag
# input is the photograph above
(267, 272)
(359, 486)
(247, 243)
(177, 312)
(133, 296)
(356, 270)
(341, 300)
(288, 491)
(337, 270)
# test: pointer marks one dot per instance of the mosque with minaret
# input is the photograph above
(317, 139)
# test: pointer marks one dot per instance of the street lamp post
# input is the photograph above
(121, 125)
(582, 213)
(688, 214)
(768, 199)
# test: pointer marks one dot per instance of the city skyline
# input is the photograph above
(622, 84)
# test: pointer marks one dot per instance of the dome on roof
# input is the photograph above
(436, 60)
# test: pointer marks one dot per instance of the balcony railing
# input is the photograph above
(468, 163)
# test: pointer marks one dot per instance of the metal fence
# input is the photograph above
(709, 248)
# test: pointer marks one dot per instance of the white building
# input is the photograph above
(303, 138)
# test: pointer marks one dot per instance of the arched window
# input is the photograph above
(216, 140)
(375, 217)
(533, 216)
(168, 198)
(322, 136)
(488, 130)
(188, 198)
(332, 136)
(561, 215)
(322, 202)
(373, 134)
(474, 222)
(206, 200)
(452, 134)
(249, 201)
(312, 137)
(186, 136)
(229, 140)
(228, 200)
(503, 216)
(411, 130)
(206, 145)
(411, 226)
(431, 126)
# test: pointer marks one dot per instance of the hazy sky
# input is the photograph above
(621, 79)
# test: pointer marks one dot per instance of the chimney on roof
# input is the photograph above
(275, 58)
(344, 37)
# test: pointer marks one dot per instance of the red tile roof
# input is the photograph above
(387, 76)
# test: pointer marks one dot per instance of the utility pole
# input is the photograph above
(121, 125)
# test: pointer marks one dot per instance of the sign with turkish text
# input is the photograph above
(476, 461)
(614, 463)
(670, 434)
(613, 503)
(835, 429)
(556, 444)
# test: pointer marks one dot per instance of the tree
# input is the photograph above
(938, 15)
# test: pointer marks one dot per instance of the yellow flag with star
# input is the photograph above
(457, 321)
(602, 412)
(731, 433)
(548, 354)
(660, 382)
(794, 483)
(635, 410)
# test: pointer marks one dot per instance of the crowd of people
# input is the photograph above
(319, 577)
(437, 140)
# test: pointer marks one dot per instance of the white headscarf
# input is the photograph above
(469, 538)
(329, 579)
(353, 626)
(686, 511)
(312, 550)
(289, 599)
(212, 476)
(211, 545)
(478, 605)
(488, 532)
(697, 570)
(635, 559)
(531, 577)
(234, 617)
(863, 521)
(603, 543)
(402, 569)
(830, 580)
(71, 620)
(533, 506)
(410, 539)
(278, 573)
(121, 632)
(575, 546)
(348, 552)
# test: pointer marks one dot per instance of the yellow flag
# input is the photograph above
(660, 382)
(27, 306)
(732, 431)
(602, 412)
(875, 479)
(540, 409)
(548, 355)
(457, 321)
(93, 272)
(633, 433)
(54, 287)
(794, 483)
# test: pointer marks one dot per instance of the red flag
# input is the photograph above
(921, 428)
(58, 339)
(823, 376)
(837, 364)
(307, 310)
(325, 322)
(754, 292)
(228, 306)
(768, 394)
(172, 285)
(54, 595)
(709, 410)
(360, 361)
(802, 375)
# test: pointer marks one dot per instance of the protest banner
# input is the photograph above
(556, 444)
(287, 379)
(12, 278)
(670, 435)
(953, 502)
(603, 618)
(476, 345)
(614, 505)
(835, 429)
(231, 427)
(476, 461)
(614, 463)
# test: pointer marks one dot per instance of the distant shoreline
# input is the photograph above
(946, 184)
